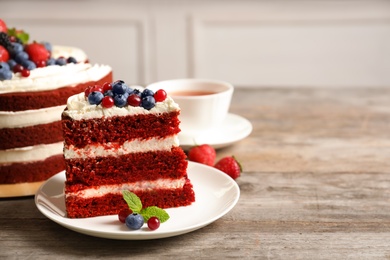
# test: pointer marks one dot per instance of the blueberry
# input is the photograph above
(134, 221)
(137, 92)
(12, 63)
(5, 72)
(109, 93)
(120, 100)
(147, 92)
(95, 97)
(21, 56)
(61, 61)
(28, 64)
(129, 91)
(47, 46)
(119, 87)
(148, 102)
(71, 60)
(16, 48)
(4, 65)
(50, 62)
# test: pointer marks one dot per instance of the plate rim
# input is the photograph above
(147, 235)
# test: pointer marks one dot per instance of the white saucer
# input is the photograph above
(215, 194)
(233, 129)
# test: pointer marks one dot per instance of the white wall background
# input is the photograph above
(338, 43)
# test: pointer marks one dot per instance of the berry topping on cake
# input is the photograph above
(4, 55)
(37, 52)
(107, 86)
(3, 26)
(160, 95)
(120, 100)
(14, 47)
(148, 102)
(107, 102)
(134, 100)
(95, 97)
(5, 72)
(121, 95)
(119, 87)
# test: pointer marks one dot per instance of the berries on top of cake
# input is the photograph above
(19, 55)
(119, 94)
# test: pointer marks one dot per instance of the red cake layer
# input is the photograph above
(30, 135)
(126, 168)
(112, 203)
(119, 128)
(19, 101)
(31, 171)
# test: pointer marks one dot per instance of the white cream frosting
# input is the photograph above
(68, 51)
(30, 117)
(112, 149)
(53, 77)
(165, 184)
(30, 153)
(79, 108)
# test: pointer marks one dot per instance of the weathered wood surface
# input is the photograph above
(316, 185)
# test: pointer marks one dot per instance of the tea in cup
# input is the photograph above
(204, 103)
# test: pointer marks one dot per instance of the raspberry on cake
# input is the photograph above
(35, 84)
(131, 145)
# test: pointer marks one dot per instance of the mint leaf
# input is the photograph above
(132, 201)
(154, 211)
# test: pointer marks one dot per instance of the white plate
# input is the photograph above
(233, 129)
(215, 194)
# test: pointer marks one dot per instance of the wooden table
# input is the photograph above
(316, 185)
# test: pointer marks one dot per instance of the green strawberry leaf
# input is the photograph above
(154, 211)
(22, 35)
(132, 200)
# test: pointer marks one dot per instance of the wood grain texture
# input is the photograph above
(316, 185)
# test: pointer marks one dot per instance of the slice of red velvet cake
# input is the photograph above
(118, 138)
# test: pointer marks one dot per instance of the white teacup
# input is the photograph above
(204, 103)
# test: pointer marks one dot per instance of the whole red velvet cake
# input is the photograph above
(36, 80)
(121, 138)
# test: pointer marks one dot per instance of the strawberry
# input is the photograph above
(202, 154)
(37, 52)
(3, 26)
(4, 55)
(230, 166)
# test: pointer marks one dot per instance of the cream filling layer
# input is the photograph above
(166, 184)
(113, 149)
(30, 153)
(9, 119)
